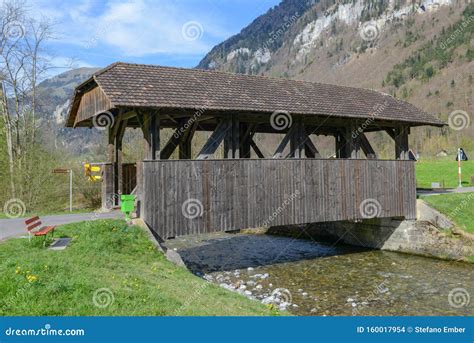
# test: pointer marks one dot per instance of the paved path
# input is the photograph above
(16, 227)
(446, 191)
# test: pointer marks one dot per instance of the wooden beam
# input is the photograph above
(154, 129)
(352, 139)
(297, 141)
(172, 144)
(310, 149)
(340, 143)
(256, 148)
(366, 147)
(246, 133)
(284, 142)
(232, 139)
(185, 144)
(215, 139)
(401, 143)
(390, 132)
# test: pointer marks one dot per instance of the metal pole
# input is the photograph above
(70, 190)
(459, 168)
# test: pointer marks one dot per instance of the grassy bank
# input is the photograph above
(458, 207)
(109, 269)
(443, 171)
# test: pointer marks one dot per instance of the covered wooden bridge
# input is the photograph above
(248, 187)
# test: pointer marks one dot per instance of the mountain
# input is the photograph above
(54, 96)
(419, 52)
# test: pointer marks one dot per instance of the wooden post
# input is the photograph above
(154, 129)
(351, 141)
(297, 139)
(401, 143)
(245, 134)
(232, 139)
(185, 144)
(340, 144)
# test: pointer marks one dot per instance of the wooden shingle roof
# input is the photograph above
(136, 85)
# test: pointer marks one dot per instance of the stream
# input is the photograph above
(307, 277)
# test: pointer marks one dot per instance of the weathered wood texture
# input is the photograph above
(110, 195)
(237, 194)
(129, 177)
(92, 103)
(108, 200)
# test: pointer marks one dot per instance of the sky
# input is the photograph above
(96, 33)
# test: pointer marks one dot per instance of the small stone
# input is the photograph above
(248, 293)
(258, 287)
(249, 269)
(300, 290)
(349, 300)
(304, 294)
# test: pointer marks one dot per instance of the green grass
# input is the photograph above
(107, 254)
(443, 171)
(458, 207)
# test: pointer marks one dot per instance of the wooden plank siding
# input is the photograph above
(244, 193)
(92, 103)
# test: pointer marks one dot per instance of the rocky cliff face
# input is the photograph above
(420, 52)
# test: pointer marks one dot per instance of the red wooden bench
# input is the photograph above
(33, 223)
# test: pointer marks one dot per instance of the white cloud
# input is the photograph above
(135, 28)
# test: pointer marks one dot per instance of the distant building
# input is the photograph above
(442, 153)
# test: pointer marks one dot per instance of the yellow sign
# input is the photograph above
(90, 170)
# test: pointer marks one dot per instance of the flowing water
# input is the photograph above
(314, 278)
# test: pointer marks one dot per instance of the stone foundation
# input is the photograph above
(414, 237)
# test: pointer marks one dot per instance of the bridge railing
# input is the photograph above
(179, 197)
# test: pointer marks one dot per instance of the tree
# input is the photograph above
(22, 66)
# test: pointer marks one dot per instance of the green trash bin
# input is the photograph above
(128, 205)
